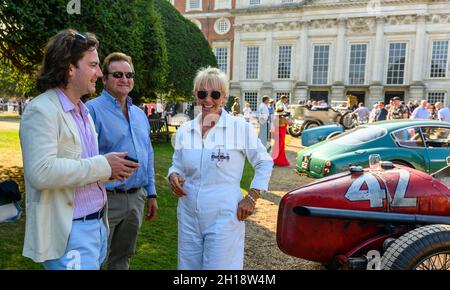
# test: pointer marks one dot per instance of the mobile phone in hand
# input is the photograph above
(131, 159)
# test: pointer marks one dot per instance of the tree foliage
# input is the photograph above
(188, 51)
(129, 26)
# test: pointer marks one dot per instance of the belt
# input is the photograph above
(116, 190)
(93, 216)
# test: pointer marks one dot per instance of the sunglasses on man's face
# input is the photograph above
(203, 94)
(119, 74)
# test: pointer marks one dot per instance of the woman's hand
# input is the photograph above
(176, 182)
(247, 205)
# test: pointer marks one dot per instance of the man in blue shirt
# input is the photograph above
(123, 127)
(421, 112)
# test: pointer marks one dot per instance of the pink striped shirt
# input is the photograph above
(91, 197)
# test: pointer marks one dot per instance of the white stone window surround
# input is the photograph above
(254, 2)
(243, 63)
(279, 93)
(430, 56)
(317, 42)
(222, 25)
(222, 4)
(437, 95)
(406, 77)
(252, 97)
(277, 60)
(227, 47)
(348, 60)
(191, 7)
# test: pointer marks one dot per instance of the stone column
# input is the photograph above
(376, 86)
(378, 60)
(340, 53)
(267, 63)
(337, 90)
(267, 59)
(417, 88)
(301, 87)
(235, 87)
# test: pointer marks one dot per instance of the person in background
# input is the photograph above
(397, 110)
(381, 113)
(279, 128)
(236, 108)
(271, 107)
(122, 126)
(207, 166)
(283, 102)
(433, 112)
(247, 112)
(362, 114)
(444, 113)
(421, 112)
(65, 202)
(153, 114)
(263, 118)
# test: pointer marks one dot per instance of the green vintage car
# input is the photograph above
(420, 144)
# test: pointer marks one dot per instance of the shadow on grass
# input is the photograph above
(9, 118)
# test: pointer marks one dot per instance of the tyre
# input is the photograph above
(334, 134)
(348, 120)
(424, 248)
(310, 124)
(295, 131)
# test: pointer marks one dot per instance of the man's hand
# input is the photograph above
(120, 167)
(176, 182)
(152, 209)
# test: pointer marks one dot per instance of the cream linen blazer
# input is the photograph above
(51, 152)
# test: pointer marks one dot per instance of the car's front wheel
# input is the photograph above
(424, 248)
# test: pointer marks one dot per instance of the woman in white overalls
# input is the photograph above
(206, 173)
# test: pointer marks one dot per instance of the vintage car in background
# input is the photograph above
(419, 144)
(392, 218)
(318, 116)
(317, 134)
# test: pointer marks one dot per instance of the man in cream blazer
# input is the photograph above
(65, 195)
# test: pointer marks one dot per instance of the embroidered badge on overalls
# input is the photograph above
(220, 157)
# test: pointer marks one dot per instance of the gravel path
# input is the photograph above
(261, 250)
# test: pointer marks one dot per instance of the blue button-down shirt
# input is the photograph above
(116, 134)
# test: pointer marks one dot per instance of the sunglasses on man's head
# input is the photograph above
(79, 36)
(203, 94)
(119, 74)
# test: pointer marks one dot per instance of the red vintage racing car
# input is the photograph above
(394, 218)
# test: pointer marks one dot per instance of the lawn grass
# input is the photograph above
(157, 240)
(9, 117)
(10, 153)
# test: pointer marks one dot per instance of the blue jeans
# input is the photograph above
(86, 248)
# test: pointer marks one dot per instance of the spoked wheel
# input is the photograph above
(439, 261)
(424, 248)
(348, 120)
(310, 124)
(295, 131)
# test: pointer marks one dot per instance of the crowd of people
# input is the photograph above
(396, 109)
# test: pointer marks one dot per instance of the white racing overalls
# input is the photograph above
(209, 234)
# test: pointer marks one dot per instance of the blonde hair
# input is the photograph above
(212, 77)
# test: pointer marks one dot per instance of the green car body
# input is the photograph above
(421, 144)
